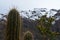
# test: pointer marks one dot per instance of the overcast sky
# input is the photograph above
(6, 5)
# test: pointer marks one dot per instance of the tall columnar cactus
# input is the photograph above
(13, 25)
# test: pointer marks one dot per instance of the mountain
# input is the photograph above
(29, 22)
(28, 25)
(36, 13)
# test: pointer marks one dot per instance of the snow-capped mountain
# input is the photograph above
(3, 17)
(36, 13)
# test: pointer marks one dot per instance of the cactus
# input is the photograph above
(13, 25)
(28, 36)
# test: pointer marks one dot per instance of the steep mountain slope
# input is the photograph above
(30, 25)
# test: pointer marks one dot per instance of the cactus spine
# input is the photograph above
(13, 25)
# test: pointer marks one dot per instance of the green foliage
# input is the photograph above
(44, 26)
(28, 36)
(13, 25)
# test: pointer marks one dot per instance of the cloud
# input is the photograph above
(5, 5)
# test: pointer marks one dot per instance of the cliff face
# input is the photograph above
(31, 26)
(2, 29)
(28, 25)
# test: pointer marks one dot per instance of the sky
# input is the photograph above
(6, 5)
